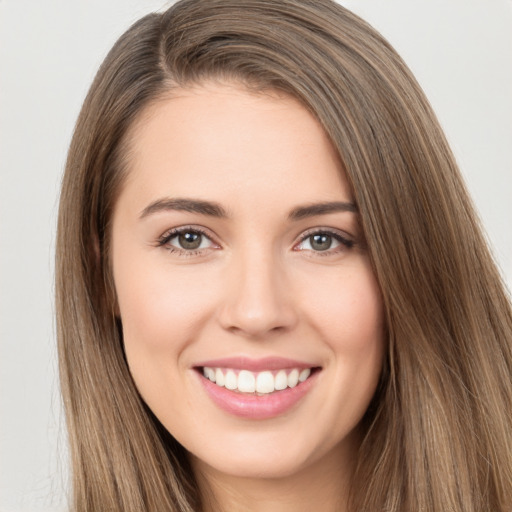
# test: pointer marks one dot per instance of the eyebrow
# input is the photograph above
(302, 212)
(213, 209)
(185, 205)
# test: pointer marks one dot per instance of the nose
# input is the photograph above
(257, 301)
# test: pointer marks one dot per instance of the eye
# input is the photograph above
(327, 242)
(319, 242)
(186, 240)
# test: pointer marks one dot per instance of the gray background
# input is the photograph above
(460, 51)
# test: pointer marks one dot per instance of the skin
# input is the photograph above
(257, 287)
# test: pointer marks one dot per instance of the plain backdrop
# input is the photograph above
(460, 51)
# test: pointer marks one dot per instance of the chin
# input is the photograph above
(276, 456)
(254, 466)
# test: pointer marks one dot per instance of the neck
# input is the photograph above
(323, 485)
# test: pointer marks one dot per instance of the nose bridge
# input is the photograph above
(257, 299)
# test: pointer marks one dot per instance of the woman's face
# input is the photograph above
(252, 321)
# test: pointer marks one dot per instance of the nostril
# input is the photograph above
(257, 322)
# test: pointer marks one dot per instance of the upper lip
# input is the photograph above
(255, 365)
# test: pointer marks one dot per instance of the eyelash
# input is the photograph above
(173, 233)
(163, 241)
(345, 243)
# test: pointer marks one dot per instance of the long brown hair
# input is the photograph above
(439, 430)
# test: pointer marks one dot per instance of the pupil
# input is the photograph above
(321, 242)
(190, 240)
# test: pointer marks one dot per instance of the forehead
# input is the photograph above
(223, 140)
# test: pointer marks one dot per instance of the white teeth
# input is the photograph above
(265, 382)
(256, 382)
(246, 382)
(281, 380)
(209, 373)
(304, 374)
(293, 378)
(219, 377)
(231, 381)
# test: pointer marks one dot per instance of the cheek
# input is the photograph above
(161, 310)
(349, 318)
(156, 306)
(356, 338)
(348, 310)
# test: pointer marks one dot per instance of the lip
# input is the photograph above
(255, 365)
(251, 406)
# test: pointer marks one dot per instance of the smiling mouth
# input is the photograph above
(256, 383)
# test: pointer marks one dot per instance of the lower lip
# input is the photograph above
(256, 407)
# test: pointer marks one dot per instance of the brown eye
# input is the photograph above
(186, 241)
(190, 240)
(328, 242)
(320, 242)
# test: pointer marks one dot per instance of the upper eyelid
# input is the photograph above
(330, 231)
(171, 232)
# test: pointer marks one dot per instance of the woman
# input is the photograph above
(272, 289)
